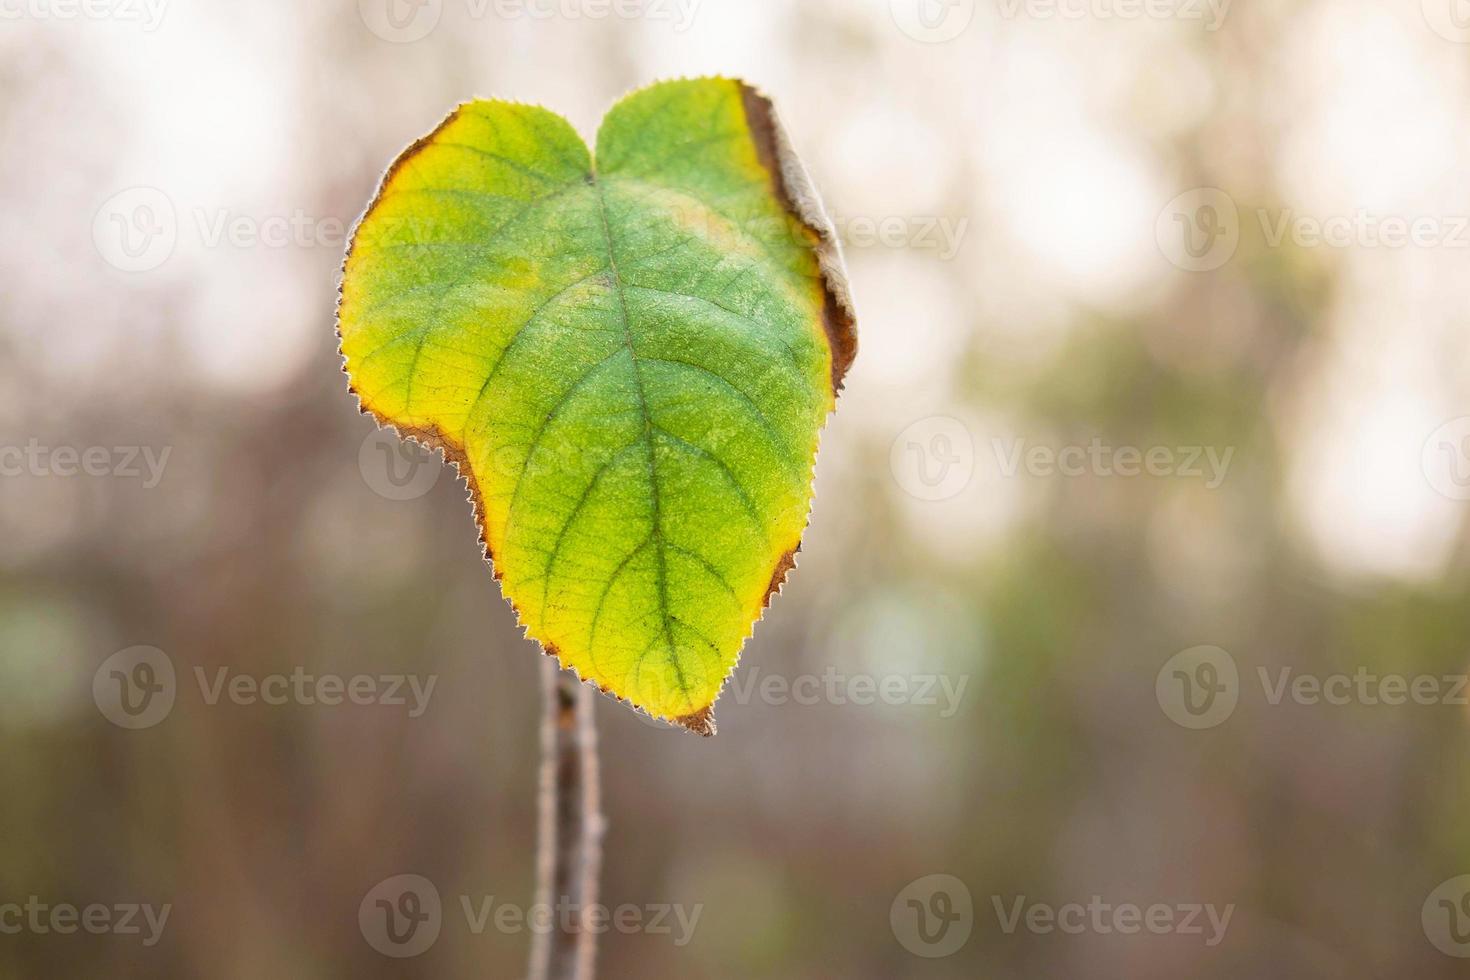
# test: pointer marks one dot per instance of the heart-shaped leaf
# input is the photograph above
(629, 362)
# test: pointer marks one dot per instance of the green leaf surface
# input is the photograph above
(629, 360)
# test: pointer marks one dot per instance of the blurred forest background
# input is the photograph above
(1036, 266)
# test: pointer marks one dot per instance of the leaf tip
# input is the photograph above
(701, 722)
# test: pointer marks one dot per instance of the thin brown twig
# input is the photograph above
(569, 837)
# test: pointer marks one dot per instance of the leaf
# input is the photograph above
(629, 362)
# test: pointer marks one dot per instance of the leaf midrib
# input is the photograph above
(656, 532)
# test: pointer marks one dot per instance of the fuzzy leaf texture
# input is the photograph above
(630, 362)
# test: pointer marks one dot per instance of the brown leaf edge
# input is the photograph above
(794, 188)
